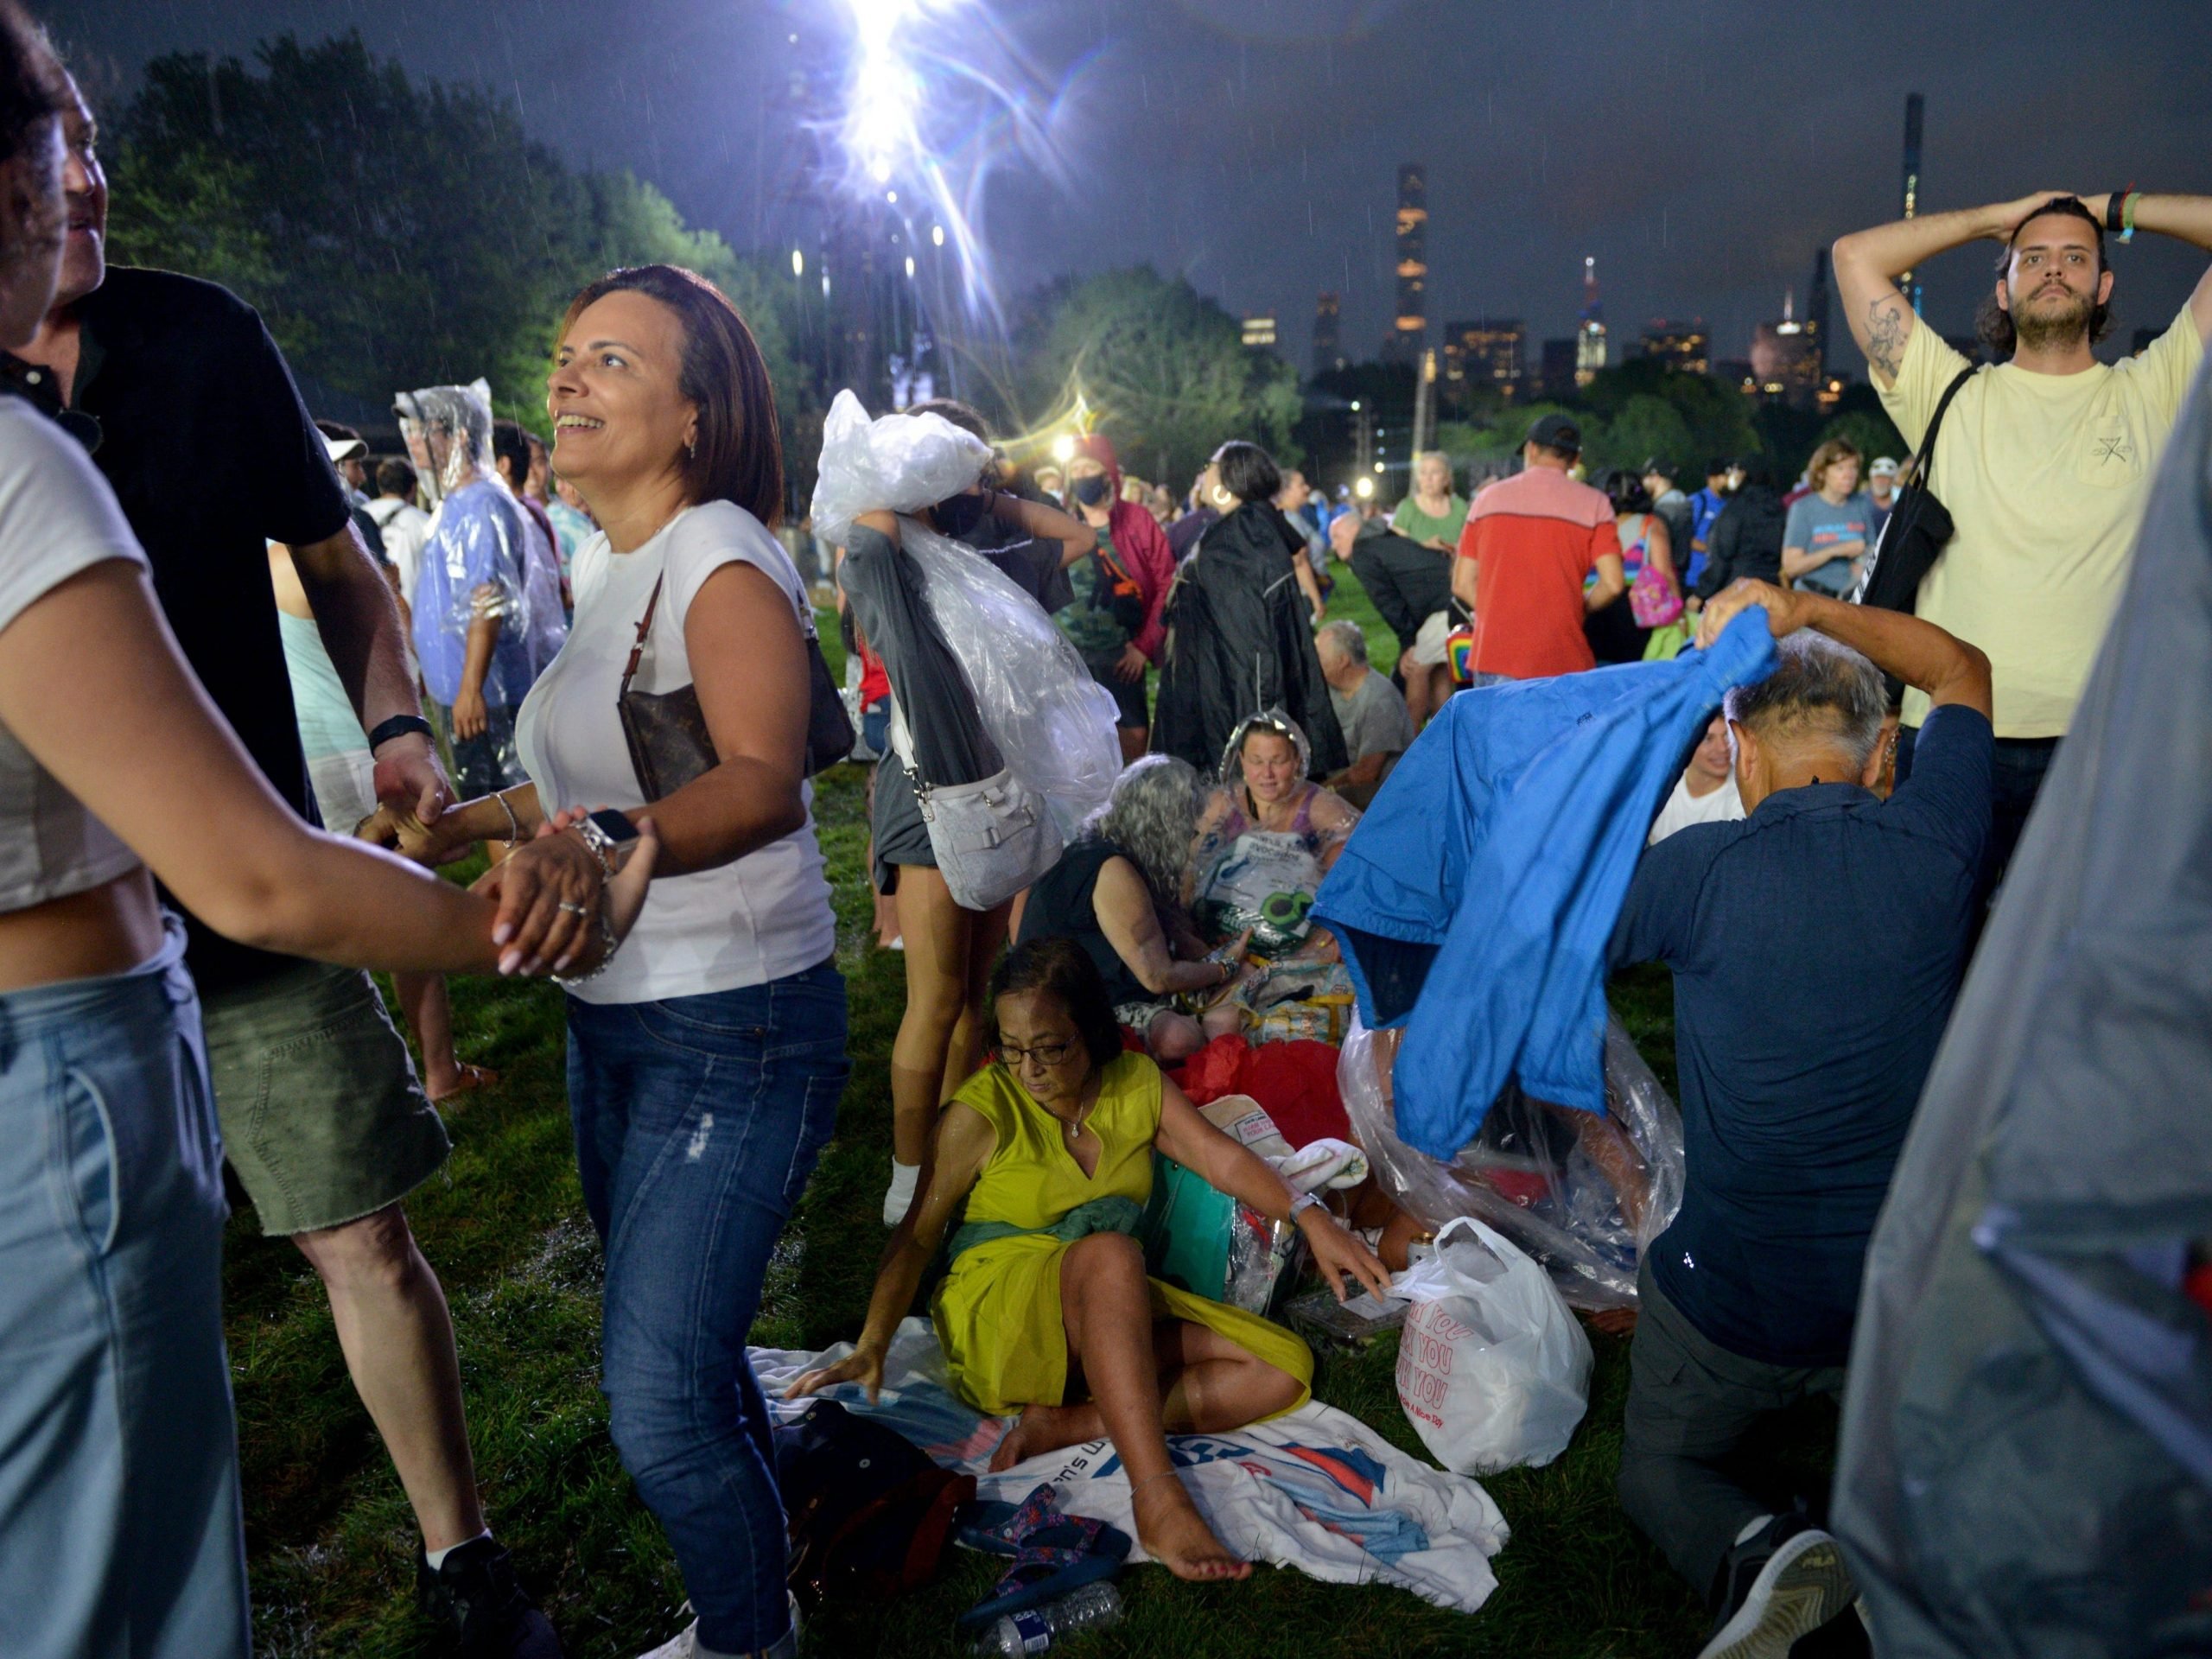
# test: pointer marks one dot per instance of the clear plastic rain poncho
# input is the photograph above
(1258, 879)
(1583, 1195)
(476, 560)
(1035, 703)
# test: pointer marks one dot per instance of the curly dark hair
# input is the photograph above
(1061, 969)
(1994, 323)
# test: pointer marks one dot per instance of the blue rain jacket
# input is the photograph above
(1475, 900)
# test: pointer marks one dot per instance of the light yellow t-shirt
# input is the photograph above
(2045, 476)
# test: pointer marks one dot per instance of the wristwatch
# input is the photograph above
(1301, 1203)
(606, 832)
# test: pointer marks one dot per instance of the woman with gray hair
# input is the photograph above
(1123, 893)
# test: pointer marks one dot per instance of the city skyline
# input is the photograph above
(1254, 152)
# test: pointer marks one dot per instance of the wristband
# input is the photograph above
(2128, 215)
(2114, 203)
(398, 726)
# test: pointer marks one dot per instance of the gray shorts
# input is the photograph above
(322, 1118)
(901, 835)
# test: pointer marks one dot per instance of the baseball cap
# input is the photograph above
(1883, 468)
(345, 449)
(1556, 432)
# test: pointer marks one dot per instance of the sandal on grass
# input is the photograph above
(471, 1077)
(1053, 1554)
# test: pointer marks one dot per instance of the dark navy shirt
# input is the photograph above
(1816, 946)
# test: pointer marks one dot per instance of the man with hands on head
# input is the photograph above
(323, 1118)
(1816, 946)
(2044, 460)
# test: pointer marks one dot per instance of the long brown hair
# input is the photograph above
(740, 453)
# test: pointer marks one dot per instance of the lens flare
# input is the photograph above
(938, 96)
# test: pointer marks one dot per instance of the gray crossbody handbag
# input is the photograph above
(991, 838)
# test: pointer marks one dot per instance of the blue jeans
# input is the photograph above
(119, 1528)
(698, 1120)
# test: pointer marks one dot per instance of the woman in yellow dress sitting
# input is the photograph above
(1047, 1311)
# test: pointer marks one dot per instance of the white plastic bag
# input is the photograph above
(1493, 1370)
(1530, 1174)
(1052, 722)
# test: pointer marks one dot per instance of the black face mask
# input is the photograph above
(1093, 490)
(958, 514)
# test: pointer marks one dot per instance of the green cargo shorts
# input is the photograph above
(323, 1118)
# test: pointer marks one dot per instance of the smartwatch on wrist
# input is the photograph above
(606, 832)
(398, 726)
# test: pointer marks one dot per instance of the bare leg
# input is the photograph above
(987, 934)
(1416, 679)
(936, 931)
(398, 1339)
(427, 1009)
(1106, 1308)
(1212, 1385)
(1440, 689)
(948, 953)
(1173, 1037)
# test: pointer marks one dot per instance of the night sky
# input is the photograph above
(1701, 149)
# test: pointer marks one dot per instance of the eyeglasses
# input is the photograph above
(1047, 1055)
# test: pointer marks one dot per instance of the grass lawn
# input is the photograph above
(332, 1542)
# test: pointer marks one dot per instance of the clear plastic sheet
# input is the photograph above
(1583, 1195)
(1049, 720)
(475, 562)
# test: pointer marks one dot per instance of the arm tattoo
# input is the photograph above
(1886, 332)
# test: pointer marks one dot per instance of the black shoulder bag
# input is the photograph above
(667, 733)
(1918, 528)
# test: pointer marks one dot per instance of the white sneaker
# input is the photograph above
(685, 1643)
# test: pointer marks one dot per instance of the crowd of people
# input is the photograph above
(597, 661)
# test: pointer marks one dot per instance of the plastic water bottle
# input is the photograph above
(1094, 1607)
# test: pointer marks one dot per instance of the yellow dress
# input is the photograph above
(998, 1311)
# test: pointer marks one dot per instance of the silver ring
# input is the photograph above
(575, 909)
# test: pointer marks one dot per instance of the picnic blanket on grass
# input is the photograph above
(1316, 1489)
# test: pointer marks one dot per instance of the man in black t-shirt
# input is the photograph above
(201, 433)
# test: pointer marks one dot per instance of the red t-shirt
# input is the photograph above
(876, 683)
(1536, 534)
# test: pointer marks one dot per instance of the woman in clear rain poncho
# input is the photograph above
(1240, 634)
(486, 619)
(1266, 840)
(948, 950)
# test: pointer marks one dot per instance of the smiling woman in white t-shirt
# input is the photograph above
(705, 1062)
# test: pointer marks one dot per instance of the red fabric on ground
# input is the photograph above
(1295, 1081)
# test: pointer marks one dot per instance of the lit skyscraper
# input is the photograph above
(1590, 335)
(1409, 330)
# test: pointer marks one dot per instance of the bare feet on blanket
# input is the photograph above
(1176, 1535)
(1041, 1429)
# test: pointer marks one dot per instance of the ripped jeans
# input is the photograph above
(697, 1120)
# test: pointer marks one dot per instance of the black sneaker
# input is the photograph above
(1785, 1582)
(474, 1594)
